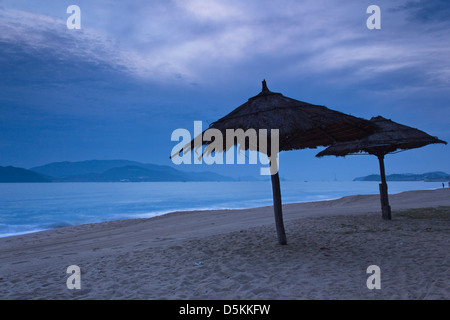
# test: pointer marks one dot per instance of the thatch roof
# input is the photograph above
(300, 124)
(390, 137)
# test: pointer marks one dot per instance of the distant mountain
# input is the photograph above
(121, 174)
(372, 177)
(120, 170)
(14, 174)
(429, 176)
(132, 174)
(66, 168)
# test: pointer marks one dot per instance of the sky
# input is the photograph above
(138, 70)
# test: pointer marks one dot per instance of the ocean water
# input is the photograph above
(31, 207)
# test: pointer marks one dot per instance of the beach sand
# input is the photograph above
(234, 254)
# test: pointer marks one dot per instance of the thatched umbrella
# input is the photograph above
(296, 125)
(391, 137)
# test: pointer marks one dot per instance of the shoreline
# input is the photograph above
(233, 254)
(51, 225)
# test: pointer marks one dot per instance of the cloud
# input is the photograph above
(213, 10)
(427, 11)
(38, 32)
(129, 71)
(194, 41)
(49, 39)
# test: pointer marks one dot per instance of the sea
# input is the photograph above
(32, 207)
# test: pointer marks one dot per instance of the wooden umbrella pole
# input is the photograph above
(277, 207)
(385, 207)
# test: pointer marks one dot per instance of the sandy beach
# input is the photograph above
(234, 254)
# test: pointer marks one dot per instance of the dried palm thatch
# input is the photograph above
(294, 124)
(300, 124)
(390, 137)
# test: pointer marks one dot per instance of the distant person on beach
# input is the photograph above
(443, 185)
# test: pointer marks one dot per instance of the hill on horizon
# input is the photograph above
(75, 168)
(14, 174)
(120, 170)
(429, 176)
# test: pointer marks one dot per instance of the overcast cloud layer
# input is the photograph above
(137, 70)
(169, 40)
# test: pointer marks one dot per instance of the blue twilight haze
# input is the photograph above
(137, 70)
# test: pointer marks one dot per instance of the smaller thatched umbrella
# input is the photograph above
(390, 138)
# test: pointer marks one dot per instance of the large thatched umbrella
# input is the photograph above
(391, 137)
(299, 124)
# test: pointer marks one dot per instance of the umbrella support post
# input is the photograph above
(385, 207)
(278, 209)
